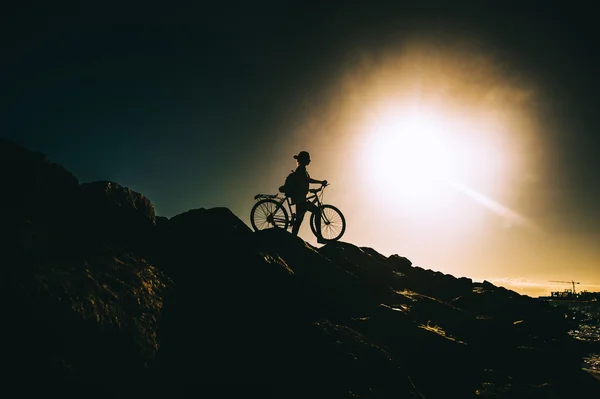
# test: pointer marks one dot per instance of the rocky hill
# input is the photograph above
(97, 288)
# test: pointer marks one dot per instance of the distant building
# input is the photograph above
(572, 296)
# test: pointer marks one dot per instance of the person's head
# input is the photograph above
(303, 158)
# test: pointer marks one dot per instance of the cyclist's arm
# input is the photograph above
(311, 180)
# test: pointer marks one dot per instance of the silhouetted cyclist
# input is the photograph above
(302, 180)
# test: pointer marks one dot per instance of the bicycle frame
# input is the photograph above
(314, 198)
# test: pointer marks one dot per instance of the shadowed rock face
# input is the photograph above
(34, 188)
(117, 215)
(112, 198)
(104, 290)
(78, 302)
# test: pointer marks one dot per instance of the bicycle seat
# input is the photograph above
(259, 196)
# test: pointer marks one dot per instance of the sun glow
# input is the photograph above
(422, 155)
(407, 152)
(436, 150)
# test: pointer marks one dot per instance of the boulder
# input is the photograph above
(114, 215)
(34, 188)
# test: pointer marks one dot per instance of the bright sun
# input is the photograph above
(409, 153)
(421, 156)
(432, 144)
(437, 132)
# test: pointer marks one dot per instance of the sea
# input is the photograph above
(587, 317)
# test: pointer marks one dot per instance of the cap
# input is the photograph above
(302, 155)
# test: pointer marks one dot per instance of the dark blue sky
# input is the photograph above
(182, 102)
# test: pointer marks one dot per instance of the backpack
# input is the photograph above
(291, 185)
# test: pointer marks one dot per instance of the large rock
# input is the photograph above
(218, 224)
(183, 240)
(116, 215)
(69, 310)
(93, 320)
(34, 188)
(39, 205)
(110, 199)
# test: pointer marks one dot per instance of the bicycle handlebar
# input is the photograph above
(316, 190)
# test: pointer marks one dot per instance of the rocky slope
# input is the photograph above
(97, 288)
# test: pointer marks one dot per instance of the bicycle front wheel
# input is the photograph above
(267, 214)
(333, 223)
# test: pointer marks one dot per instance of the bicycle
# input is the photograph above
(270, 212)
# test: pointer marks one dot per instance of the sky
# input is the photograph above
(461, 136)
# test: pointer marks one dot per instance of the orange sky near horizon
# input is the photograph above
(436, 152)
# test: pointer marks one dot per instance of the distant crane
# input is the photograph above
(568, 282)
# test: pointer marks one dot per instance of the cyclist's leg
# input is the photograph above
(317, 212)
(300, 211)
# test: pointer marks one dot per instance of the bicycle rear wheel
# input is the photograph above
(267, 214)
(333, 223)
